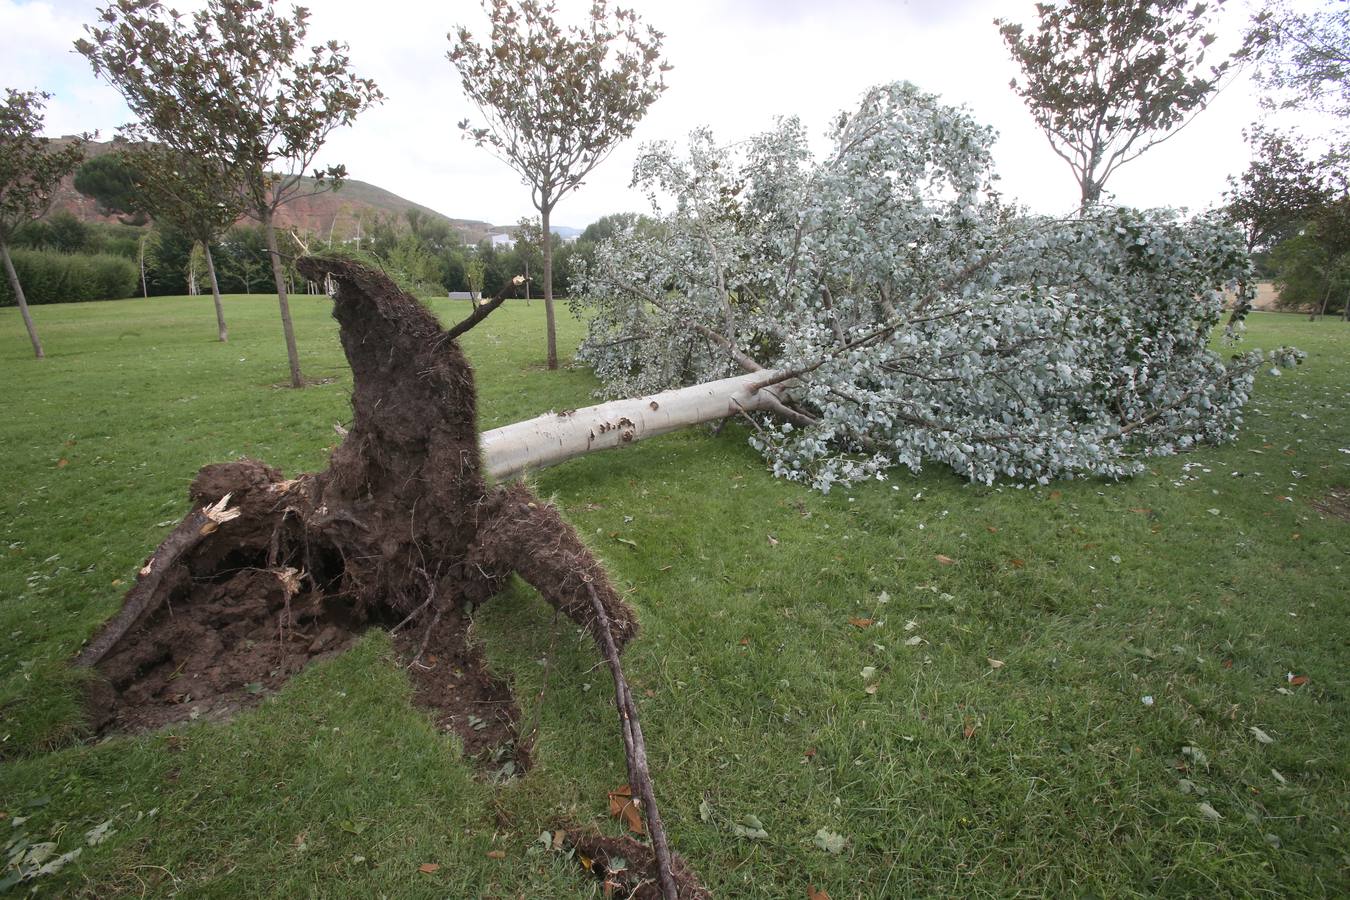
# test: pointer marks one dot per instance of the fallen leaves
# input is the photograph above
(625, 807)
(429, 868)
(750, 827)
(1260, 735)
(944, 559)
(968, 729)
(994, 663)
(860, 623)
(815, 893)
(1208, 811)
(1296, 680)
(496, 854)
(829, 841)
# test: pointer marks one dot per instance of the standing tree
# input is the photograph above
(1108, 79)
(529, 247)
(1278, 192)
(233, 84)
(29, 175)
(556, 101)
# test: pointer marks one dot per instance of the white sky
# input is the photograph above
(737, 65)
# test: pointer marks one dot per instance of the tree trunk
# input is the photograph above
(557, 437)
(222, 332)
(527, 282)
(145, 290)
(22, 301)
(544, 213)
(279, 276)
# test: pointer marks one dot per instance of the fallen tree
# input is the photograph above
(909, 315)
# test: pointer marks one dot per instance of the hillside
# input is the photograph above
(337, 212)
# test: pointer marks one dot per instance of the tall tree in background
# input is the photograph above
(1108, 79)
(29, 174)
(234, 84)
(556, 101)
(1281, 187)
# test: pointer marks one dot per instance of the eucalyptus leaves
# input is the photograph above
(914, 316)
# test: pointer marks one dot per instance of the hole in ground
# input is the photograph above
(220, 644)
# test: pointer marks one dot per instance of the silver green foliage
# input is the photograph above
(924, 318)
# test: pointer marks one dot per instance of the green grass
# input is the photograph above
(1200, 584)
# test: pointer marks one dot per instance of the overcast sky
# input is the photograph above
(738, 64)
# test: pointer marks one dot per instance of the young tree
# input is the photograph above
(1108, 79)
(1278, 191)
(556, 101)
(29, 175)
(197, 195)
(529, 247)
(234, 84)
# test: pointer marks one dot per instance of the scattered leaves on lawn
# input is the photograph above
(1278, 777)
(860, 623)
(98, 834)
(750, 827)
(429, 868)
(830, 841)
(62, 463)
(1297, 680)
(1208, 811)
(968, 730)
(624, 807)
(773, 541)
(625, 541)
(815, 893)
(1196, 757)
(496, 854)
(1261, 735)
(994, 663)
(868, 672)
(945, 559)
(705, 811)
(1017, 563)
(914, 641)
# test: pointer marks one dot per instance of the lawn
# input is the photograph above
(982, 691)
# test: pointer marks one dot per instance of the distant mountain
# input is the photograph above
(336, 212)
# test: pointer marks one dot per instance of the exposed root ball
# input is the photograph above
(265, 574)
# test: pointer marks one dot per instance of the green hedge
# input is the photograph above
(50, 277)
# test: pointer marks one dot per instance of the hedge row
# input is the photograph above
(50, 277)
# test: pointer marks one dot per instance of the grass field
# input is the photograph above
(1009, 747)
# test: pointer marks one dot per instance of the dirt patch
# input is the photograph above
(627, 868)
(1335, 503)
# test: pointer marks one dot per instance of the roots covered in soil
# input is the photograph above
(266, 573)
(627, 869)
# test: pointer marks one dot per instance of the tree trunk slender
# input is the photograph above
(544, 213)
(145, 291)
(221, 330)
(557, 437)
(22, 301)
(279, 276)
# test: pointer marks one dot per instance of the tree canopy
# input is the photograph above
(234, 87)
(1108, 79)
(911, 315)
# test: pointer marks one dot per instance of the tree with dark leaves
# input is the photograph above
(555, 101)
(1108, 79)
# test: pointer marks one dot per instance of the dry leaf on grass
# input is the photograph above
(814, 893)
(496, 854)
(860, 623)
(944, 559)
(994, 663)
(429, 868)
(624, 807)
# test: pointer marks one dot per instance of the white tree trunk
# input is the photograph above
(557, 437)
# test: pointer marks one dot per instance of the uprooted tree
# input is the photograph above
(882, 306)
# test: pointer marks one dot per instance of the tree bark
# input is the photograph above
(557, 437)
(21, 301)
(222, 332)
(279, 276)
(145, 290)
(545, 211)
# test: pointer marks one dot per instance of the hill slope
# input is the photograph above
(336, 212)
